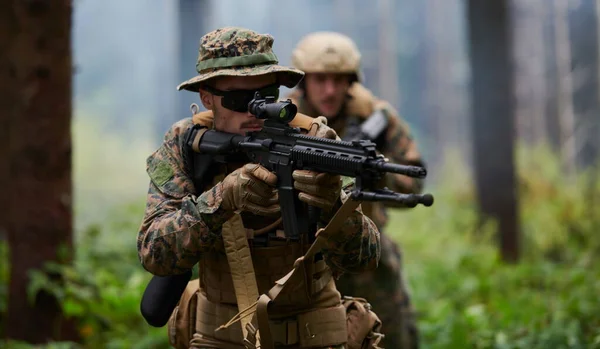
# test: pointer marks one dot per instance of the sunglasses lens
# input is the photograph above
(237, 103)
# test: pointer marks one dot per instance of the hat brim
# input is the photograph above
(286, 76)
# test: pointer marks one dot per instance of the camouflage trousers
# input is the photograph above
(385, 289)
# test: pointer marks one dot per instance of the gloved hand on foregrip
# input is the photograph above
(317, 189)
(251, 188)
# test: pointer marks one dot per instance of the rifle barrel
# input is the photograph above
(411, 171)
(409, 200)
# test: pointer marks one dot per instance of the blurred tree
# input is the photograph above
(367, 26)
(412, 68)
(583, 37)
(566, 117)
(552, 83)
(530, 83)
(446, 124)
(4, 128)
(443, 98)
(436, 79)
(493, 118)
(192, 18)
(388, 78)
(36, 114)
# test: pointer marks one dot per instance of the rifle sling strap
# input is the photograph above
(237, 249)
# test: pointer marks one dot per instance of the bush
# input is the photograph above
(104, 285)
(468, 298)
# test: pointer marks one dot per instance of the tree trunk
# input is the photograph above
(565, 103)
(191, 23)
(434, 103)
(537, 65)
(5, 97)
(583, 36)
(444, 94)
(530, 87)
(551, 78)
(36, 111)
(493, 119)
(388, 53)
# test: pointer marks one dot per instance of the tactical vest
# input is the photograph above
(237, 271)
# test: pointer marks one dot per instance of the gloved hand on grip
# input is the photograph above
(251, 188)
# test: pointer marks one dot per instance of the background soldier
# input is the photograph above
(332, 88)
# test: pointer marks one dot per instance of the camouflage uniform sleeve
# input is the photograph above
(177, 226)
(400, 148)
(356, 247)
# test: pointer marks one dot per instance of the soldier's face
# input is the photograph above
(326, 92)
(228, 120)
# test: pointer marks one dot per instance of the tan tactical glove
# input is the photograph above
(317, 189)
(251, 188)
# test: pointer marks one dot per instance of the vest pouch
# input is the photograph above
(364, 325)
(211, 315)
(323, 327)
(182, 323)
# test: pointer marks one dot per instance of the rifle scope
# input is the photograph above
(268, 108)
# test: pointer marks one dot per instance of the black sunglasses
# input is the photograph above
(238, 100)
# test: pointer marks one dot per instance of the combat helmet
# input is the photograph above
(327, 52)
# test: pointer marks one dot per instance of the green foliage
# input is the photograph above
(558, 209)
(109, 168)
(104, 285)
(468, 298)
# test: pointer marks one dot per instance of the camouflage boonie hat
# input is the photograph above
(234, 51)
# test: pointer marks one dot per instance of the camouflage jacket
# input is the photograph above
(178, 225)
(398, 144)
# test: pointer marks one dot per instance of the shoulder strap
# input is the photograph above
(204, 118)
(237, 249)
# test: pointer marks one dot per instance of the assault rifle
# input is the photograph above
(282, 149)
